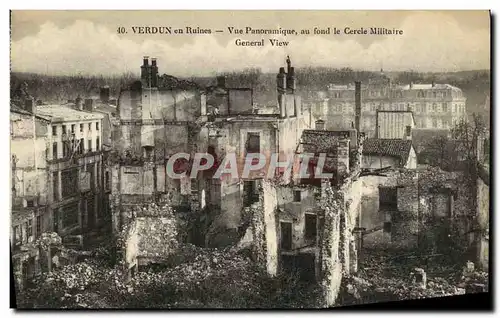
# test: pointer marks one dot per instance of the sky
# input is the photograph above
(87, 42)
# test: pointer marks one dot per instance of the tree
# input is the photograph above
(459, 150)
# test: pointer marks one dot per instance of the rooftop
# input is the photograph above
(60, 113)
(320, 141)
(19, 110)
(429, 86)
(335, 87)
(388, 147)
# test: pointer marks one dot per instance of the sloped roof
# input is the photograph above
(388, 147)
(320, 141)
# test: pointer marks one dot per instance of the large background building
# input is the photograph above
(433, 105)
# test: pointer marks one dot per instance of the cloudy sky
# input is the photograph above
(87, 42)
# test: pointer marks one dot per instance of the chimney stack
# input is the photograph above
(79, 103)
(281, 81)
(411, 85)
(29, 105)
(281, 88)
(290, 79)
(357, 105)
(433, 83)
(282, 105)
(154, 73)
(146, 73)
(320, 124)
(104, 94)
(221, 81)
(89, 105)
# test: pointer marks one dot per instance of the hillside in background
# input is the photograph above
(59, 89)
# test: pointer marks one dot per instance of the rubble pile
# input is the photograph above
(388, 281)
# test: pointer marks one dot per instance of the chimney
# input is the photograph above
(29, 105)
(104, 94)
(433, 83)
(290, 79)
(320, 124)
(146, 72)
(282, 105)
(79, 103)
(89, 105)
(281, 88)
(411, 85)
(281, 81)
(154, 73)
(357, 105)
(221, 81)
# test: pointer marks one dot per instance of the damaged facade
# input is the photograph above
(57, 172)
(310, 227)
(29, 189)
(375, 196)
(176, 120)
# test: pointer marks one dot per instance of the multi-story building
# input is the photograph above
(154, 123)
(433, 105)
(158, 122)
(29, 186)
(75, 165)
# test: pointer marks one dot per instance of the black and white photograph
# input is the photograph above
(250, 159)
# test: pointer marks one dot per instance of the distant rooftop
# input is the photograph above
(60, 113)
(335, 87)
(429, 86)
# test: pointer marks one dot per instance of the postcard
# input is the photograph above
(250, 159)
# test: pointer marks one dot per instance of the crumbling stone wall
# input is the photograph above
(270, 202)
(431, 204)
(339, 210)
(329, 262)
(131, 233)
(149, 235)
(263, 228)
(295, 212)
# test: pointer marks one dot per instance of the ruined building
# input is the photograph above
(155, 122)
(311, 226)
(57, 170)
(30, 215)
(159, 122)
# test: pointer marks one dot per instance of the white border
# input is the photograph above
(152, 5)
